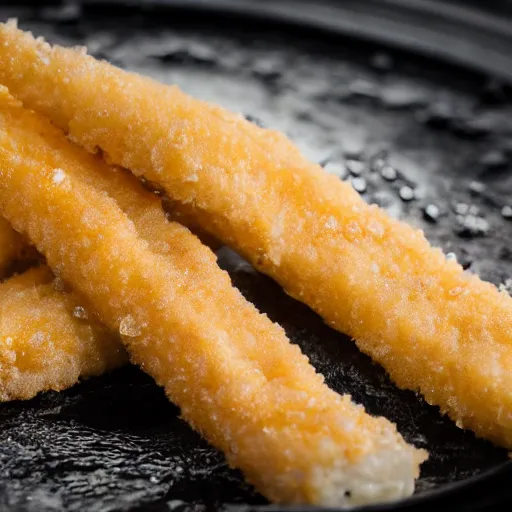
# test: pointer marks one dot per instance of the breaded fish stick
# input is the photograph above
(233, 373)
(47, 341)
(11, 246)
(434, 328)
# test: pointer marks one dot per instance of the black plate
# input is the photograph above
(320, 74)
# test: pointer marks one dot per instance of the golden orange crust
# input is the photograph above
(48, 348)
(234, 374)
(47, 341)
(434, 328)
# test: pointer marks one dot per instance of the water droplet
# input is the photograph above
(80, 312)
(174, 504)
(451, 256)
(506, 212)
(473, 209)
(431, 212)
(472, 225)
(388, 172)
(363, 88)
(129, 328)
(359, 184)
(402, 95)
(353, 150)
(352, 146)
(375, 268)
(268, 68)
(406, 193)
(477, 187)
(472, 126)
(355, 167)
(58, 176)
(336, 168)
(377, 164)
(437, 115)
(461, 208)
(382, 198)
(494, 159)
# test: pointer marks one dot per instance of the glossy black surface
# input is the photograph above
(115, 443)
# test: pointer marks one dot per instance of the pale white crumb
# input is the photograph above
(129, 328)
(331, 223)
(58, 176)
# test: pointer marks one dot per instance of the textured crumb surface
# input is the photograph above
(47, 341)
(434, 328)
(233, 373)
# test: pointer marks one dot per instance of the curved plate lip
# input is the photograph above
(303, 15)
(435, 497)
(430, 498)
(469, 37)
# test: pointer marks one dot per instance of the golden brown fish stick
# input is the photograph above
(233, 373)
(434, 328)
(47, 341)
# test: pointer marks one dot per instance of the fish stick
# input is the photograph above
(234, 374)
(434, 328)
(51, 342)
(47, 341)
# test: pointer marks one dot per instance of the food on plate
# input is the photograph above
(47, 339)
(434, 328)
(234, 374)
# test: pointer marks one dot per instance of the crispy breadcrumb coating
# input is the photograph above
(233, 373)
(434, 328)
(47, 339)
